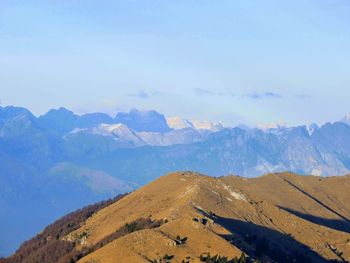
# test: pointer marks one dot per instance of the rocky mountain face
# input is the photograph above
(178, 123)
(61, 161)
(189, 217)
(148, 121)
(63, 121)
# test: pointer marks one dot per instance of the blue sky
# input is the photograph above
(236, 61)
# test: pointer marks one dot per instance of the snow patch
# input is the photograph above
(273, 125)
(207, 125)
(235, 195)
(188, 190)
(178, 123)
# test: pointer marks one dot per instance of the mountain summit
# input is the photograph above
(346, 118)
(148, 121)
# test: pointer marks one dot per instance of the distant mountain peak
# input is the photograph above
(115, 127)
(148, 121)
(312, 128)
(12, 111)
(177, 123)
(346, 118)
(273, 125)
(119, 131)
(207, 125)
(60, 111)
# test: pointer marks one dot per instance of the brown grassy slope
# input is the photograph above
(284, 216)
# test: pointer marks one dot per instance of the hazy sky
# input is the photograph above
(238, 61)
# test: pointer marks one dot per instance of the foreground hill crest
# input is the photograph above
(179, 217)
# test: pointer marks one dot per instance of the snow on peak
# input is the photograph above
(207, 125)
(273, 125)
(110, 129)
(178, 123)
(119, 131)
(346, 119)
(311, 128)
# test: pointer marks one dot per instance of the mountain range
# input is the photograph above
(60, 161)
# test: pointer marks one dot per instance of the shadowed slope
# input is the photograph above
(337, 224)
(262, 217)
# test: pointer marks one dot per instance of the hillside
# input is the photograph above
(179, 217)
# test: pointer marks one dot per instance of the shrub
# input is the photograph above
(180, 241)
(206, 257)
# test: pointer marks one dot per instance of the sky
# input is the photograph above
(242, 61)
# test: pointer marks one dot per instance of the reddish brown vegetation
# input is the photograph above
(142, 223)
(47, 246)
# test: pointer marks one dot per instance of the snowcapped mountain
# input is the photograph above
(50, 138)
(147, 128)
(181, 136)
(119, 132)
(177, 123)
(312, 128)
(180, 123)
(273, 125)
(123, 133)
(147, 121)
(207, 125)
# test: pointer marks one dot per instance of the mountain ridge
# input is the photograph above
(304, 219)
